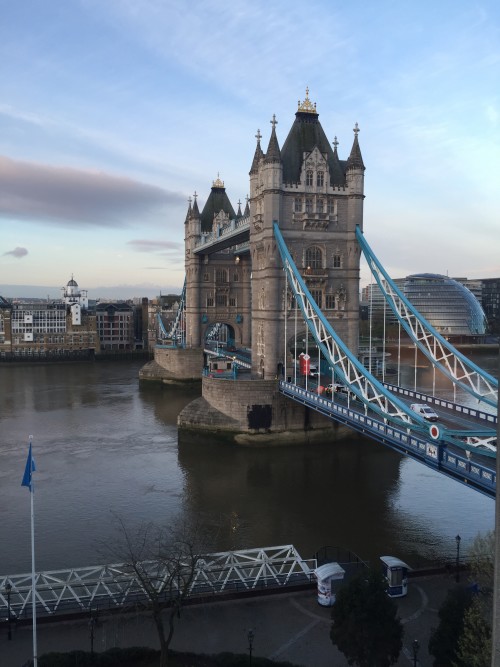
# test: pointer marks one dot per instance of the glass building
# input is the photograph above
(445, 303)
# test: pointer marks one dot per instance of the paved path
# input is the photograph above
(288, 626)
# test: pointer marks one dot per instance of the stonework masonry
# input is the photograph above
(238, 281)
(254, 412)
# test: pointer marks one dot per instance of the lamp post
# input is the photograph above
(8, 589)
(251, 635)
(457, 576)
(415, 647)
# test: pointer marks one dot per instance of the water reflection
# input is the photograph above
(103, 444)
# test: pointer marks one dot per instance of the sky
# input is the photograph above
(112, 114)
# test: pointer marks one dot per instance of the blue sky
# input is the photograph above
(113, 113)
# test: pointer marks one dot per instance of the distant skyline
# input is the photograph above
(113, 114)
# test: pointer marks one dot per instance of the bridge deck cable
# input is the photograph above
(441, 353)
(175, 333)
(375, 396)
(344, 364)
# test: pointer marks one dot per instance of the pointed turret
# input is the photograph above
(258, 155)
(355, 160)
(247, 208)
(305, 134)
(195, 213)
(239, 214)
(337, 174)
(273, 153)
(188, 214)
(217, 201)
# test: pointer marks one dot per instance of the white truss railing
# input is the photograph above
(438, 350)
(105, 586)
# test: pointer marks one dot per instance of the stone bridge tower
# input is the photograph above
(318, 201)
(217, 282)
(237, 278)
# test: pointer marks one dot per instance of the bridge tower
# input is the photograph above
(318, 201)
(217, 283)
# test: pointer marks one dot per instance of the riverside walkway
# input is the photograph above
(287, 626)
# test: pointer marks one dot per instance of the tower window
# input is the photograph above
(297, 204)
(309, 178)
(330, 301)
(320, 179)
(320, 206)
(317, 295)
(221, 276)
(222, 299)
(314, 257)
(337, 261)
(309, 205)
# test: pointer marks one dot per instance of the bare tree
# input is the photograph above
(164, 563)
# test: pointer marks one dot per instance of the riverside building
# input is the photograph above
(39, 328)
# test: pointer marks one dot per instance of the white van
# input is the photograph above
(425, 411)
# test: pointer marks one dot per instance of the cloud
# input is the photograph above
(69, 197)
(17, 252)
(143, 245)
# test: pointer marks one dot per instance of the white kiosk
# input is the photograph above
(326, 574)
(396, 574)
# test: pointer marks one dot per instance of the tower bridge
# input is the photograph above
(282, 278)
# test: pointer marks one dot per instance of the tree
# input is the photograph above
(481, 558)
(365, 626)
(443, 643)
(164, 563)
(474, 644)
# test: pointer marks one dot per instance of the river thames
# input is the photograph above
(106, 446)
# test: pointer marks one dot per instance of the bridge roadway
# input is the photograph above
(469, 468)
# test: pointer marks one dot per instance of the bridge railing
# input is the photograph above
(116, 586)
(443, 403)
(435, 454)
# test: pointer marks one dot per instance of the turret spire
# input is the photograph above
(355, 160)
(258, 155)
(273, 153)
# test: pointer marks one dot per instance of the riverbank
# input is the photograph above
(287, 627)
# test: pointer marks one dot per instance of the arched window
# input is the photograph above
(309, 178)
(314, 257)
(221, 276)
(320, 179)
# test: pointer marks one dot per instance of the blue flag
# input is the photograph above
(30, 468)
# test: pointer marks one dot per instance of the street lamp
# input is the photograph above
(251, 635)
(415, 647)
(92, 625)
(8, 589)
(457, 576)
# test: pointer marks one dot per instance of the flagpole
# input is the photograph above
(33, 584)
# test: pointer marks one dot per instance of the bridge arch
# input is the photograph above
(222, 331)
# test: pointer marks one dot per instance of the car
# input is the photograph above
(337, 388)
(314, 373)
(425, 411)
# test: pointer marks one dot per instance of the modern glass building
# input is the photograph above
(450, 307)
